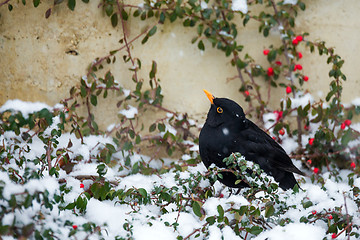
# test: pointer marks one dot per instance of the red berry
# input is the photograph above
(334, 235)
(247, 93)
(270, 71)
(306, 127)
(313, 212)
(221, 195)
(279, 115)
(298, 67)
(330, 217)
(266, 51)
(343, 126)
(282, 132)
(352, 165)
(288, 89)
(309, 161)
(81, 185)
(295, 41)
(311, 141)
(305, 78)
(274, 138)
(300, 55)
(299, 38)
(316, 170)
(347, 122)
(74, 227)
(278, 63)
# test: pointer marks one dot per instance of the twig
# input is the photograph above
(5, 2)
(196, 230)
(99, 61)
(299, 134)
(48, 155)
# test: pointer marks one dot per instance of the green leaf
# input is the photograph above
(240, 64)
(152, 31)
(200, 29)
(162, 17)
(161, 127)
(36, 3)
(266, 31)
(101, 169)
(256, 230)
(243, 210)
(347, 137)
(137, 139)
(127, 146)
(246, 19)
(142, 192)
(109, 10)
(329, 95)
(93, 99)
(71, 4)
(196, 208)
(302, 6)
(210, 220)
(201, 45)
(269, 211)
(70, 206)
(153, 70)
(124, 15)
(114, 20)
(83, 91)
(307, 204)
(272, 55)
(145, 39)
(152, 127)
(221, 212)
(319, 116)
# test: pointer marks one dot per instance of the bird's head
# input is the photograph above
(223, 111)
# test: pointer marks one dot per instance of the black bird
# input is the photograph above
(227, 130)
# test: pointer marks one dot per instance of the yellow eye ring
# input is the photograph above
(219, 110)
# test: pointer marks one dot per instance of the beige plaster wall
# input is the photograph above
(35, 65)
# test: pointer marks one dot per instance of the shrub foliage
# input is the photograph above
(42, 153)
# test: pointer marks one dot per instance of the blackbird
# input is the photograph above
(227, 130)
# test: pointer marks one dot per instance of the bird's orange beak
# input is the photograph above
(209, 95)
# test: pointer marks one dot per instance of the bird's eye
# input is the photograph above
(219, 110)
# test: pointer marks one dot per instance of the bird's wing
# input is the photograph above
(261, 148)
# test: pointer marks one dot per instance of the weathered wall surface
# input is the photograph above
(35, 63)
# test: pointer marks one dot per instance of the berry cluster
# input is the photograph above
(297, 67)
(345, 124)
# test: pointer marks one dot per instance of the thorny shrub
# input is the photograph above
(326, 124)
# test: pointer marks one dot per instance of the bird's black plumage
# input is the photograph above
(227, 130)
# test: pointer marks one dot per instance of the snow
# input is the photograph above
(293, 231)
(301, 100)
(203, 4)
(293, 2)
(130, 112)
(240, 5)
(25, 108)
(126, 92)
(356, 101)
(146, 231)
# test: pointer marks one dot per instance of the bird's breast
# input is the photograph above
(221, 143)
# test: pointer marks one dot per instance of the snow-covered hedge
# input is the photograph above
(61, 176)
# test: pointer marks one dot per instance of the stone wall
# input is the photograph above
(41, 59)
